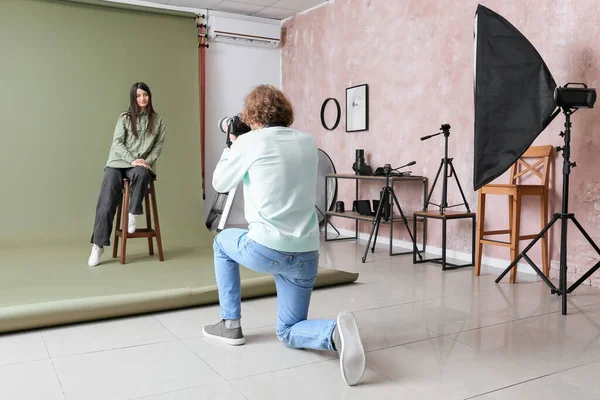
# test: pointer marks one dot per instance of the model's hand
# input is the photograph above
(140, 163)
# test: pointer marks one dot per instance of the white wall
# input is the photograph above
(231, 72)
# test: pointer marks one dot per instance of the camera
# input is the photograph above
(233, 126)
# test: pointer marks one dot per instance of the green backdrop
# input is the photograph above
(65, 74)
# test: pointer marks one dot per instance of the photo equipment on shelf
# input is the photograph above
(360, 167)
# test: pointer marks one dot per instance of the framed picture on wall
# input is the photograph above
(357, 108)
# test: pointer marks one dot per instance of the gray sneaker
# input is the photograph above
(350, 348)
(219, 331)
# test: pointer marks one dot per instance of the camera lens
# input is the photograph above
(223, 122)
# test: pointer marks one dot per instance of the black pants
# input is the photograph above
(110, 196)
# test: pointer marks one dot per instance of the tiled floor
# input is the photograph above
(428, 335)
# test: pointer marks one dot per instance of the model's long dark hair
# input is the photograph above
(134, 110)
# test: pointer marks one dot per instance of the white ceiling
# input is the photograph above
(276, 9)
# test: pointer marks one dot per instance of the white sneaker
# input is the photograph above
(131, 224)
(352, 353)
(95, 256)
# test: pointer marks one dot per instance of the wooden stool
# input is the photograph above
(515, 191)
(148, 232)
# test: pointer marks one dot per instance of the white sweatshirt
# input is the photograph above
(278, 166)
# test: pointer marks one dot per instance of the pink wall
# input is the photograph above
(417, 58)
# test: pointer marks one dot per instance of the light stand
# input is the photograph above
(563, 216)
(445, 164)
(387, 195)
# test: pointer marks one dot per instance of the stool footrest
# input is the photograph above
(496, 242)
(500, 232)
(139, 233)
(149, 232)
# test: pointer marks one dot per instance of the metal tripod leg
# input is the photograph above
(453, 172)
(524, 255)
(226, 210)
(387, 191)
(376, 222)
(405, 223)
(384, 196)
(433, 185)
(447, 166)
(591, 242)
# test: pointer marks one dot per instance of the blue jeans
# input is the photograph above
(294, 275)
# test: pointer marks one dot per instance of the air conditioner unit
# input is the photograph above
(230, 30)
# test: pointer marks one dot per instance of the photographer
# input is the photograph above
(278, 167)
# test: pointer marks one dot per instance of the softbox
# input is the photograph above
(514, 95)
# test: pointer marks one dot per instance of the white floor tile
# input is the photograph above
(263, 352)
(22, 347)
(584, 377)
(104, 335)
(452, 283)
(217, 391)
(320, 381)
(441, 367)
(133, 372)
(188, 323)
(578, 383)
(406, 323)
(30, 381)
(390, 268)
(378, 330)
(516, 301)
(541, 345)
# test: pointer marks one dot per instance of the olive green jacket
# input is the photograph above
(126, 147)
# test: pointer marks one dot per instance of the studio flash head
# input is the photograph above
(570, 97)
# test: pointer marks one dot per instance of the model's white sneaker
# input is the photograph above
(95, 256)
(350, 348)
(131, 223)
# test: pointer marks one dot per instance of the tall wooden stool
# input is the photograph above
(148, 232)
(515, 191)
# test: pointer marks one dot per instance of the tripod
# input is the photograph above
(387, 195)
(445, 164)
(563, 216)
(221, 206)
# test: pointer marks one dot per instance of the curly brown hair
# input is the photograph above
(267, 105)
